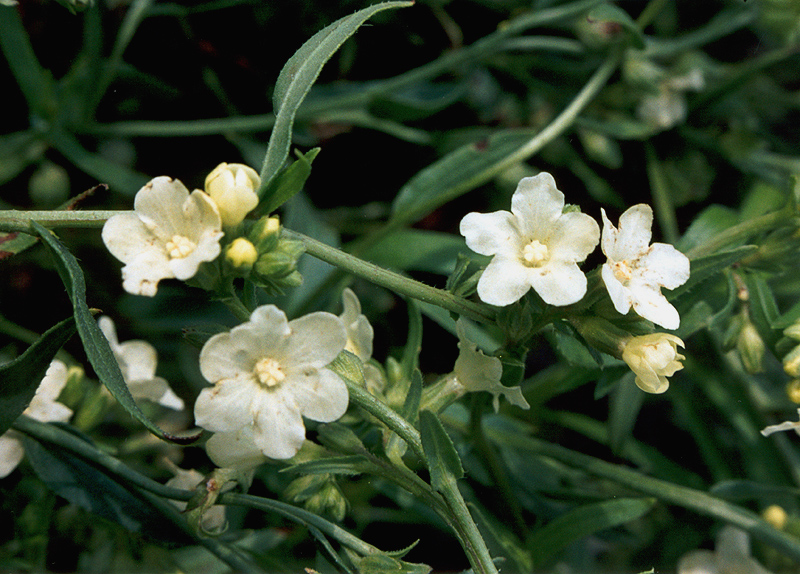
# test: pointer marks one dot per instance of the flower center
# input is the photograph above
(179, 247)
(622, 271)
(269, 372)
(535, 253)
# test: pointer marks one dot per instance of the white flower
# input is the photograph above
(474, 371)
(731, 556)
(137, 360)
(636, 271)
(44, 408)
(232, 187)
(359, 340)
(168, 236)
(667, 108)
(213, 520)
(268, 373)
(653, 358)
(788, 425)
(534, 246)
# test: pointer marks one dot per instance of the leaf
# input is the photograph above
(410, 359)
(348, 465)
(94, 342)
(712, 221)
(14, 242)
(609, 13)
(443, 461)
(288, 182)
(707, 266)
(418, 250)
(297, 77)
(86, 486)
(626, 402)
(583, 521)
(763, 308)
(20, 378)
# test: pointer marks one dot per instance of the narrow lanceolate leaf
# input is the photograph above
(707, 266)
(443, 461)
(20, 378)
(14, 242)
(582, 522)
(94, 342)
(297, 77)
(289, 182)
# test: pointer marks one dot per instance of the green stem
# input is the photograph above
(14, 220)
(391, 280)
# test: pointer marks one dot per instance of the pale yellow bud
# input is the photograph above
(793, 391)
(775, 515)
(241, 254)
(791, 363)
(233, 186)
(653, 358)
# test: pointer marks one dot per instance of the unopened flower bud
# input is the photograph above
(233, 186)
(791, 363)
(793, 391)
(265, 234)
(775, 515)
(793, 331)
(751, 348)
(49, 185)
(241, 255)
(653, 358)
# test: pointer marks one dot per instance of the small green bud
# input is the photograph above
(751, 348)
(793, 331)
(265, 234)
(340, 438)
(49, 185)
(240, 256)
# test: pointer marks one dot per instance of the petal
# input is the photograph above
(559, 283)
(278, 430)
(316, 340)
(143, 273)
(235, 449)
(106, 325)
(54, 381)
(649, 303)
(207, 249)
(620, 295)
(504, 281)
(137, 359)
(664, 265)
(200, 216)
(170, 400)
(321, 397)
(699, 562)
(228, 405)
(633, 235)
(359, 331)
(125, 236)
(159, 205)
(151, 389)
(11, 453)
(573, 237)
(537, 204)
(491, 233)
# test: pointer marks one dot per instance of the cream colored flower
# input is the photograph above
(359, 340)
(137, 360)
(270, 372)
(653, 358)
(43, 407)
(168, 236)
(731, 556)
(474, 371)
(213, 520)
(636, 271)
(233, 187)
(535, 246)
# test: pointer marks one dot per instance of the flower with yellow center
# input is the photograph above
(269, 373)
(168, 235)
(653, 358)
(636, 271)
(233, 186)
(534, 246)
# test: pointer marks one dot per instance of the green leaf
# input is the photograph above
(94, 342)
(14, 242)
(712, 221)
(86, 486)
(443, 461)
(705, 267)
(413, 398)
(297, 77)
(418, 250)
(610, 13)
(348, 465)
(626, 402)
(581, 522)
(763, 308)
(20, 378)
(288, 183)
(410, 360)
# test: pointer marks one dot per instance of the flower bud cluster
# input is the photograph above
(273, 259)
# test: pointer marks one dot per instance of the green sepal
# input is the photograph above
(288, 182)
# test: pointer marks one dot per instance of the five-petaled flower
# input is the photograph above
(268, 373)
(233, 186)
(636, 271)
(168, 236)
(137, 360)
(43, 407)
(535, 246)
(653, 358)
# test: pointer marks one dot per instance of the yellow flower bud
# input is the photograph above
(791, 363)
(653, 358)
(241, 255)
(265, 233)
(775, 515)
(233, 186)
(793, 391)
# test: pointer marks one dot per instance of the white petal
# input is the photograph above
(125, 236)
(278, 428)
(699, 562)
(54, 381)
(649, 303)
(160, 206)
(633, 235)
(322, 397)
(559, 283)
(316, 340)
(664, 265)
(235, 449)
(504, 281)
(139, 359)
(106, 325)
(574, 236)
(228, 405)
(152, 388)
(359, 331)
(537, 204)
(491, 233)
(11, 453)
(620, 295)
(143, 273)
(235, 354)
(170, 400)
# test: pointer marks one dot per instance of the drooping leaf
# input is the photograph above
(20, 378)
(296, 78)
(443, 461)
(94, 342)
(583, 521)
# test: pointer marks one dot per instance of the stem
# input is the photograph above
(391, 280)
(14, 220)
